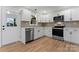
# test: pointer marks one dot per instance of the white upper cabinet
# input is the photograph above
(75, 14)
(26, 15)
(70, 14)
(61, 13)
(67, 15)
(44, 18)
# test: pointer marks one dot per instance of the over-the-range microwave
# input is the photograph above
(58, 18)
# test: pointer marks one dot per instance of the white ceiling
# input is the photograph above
(41, 8)
(53, 8)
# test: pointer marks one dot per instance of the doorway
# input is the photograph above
(9, 26)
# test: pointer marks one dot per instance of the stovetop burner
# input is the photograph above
(59, 26)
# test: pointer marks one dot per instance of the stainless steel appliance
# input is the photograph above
(58, 18)
(29, 34)
(57, 32)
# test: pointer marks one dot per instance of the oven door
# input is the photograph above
(57, 32)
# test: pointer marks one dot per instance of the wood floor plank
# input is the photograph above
(43, 44)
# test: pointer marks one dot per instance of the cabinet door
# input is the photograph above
(47, 18)
(40, 18)
(75, 14)
(67, 15)
(75, 36)
(46, 31)
(51, 20)
(50, 32)
(42, 31)
(44, 18)
(36, 33)
(67, 36)
(61, 13)
(23, 35)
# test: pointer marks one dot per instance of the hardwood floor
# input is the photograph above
(44, 44)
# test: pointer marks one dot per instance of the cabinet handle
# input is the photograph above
(70, 18)
(70, 32)
(38, 30)
(66, 29)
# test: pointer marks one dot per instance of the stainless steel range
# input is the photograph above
(57, 32)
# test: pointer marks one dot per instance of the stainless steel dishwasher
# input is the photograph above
(29, 34)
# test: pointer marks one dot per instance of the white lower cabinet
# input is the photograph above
(75, 36)
(23, 35)
(41, 31)
(71, 35)
(67, 36)
(48, 31)
(38, 32)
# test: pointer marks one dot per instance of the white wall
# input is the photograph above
(0, 26)
(19, 26)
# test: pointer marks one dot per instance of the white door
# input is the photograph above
(10, 33)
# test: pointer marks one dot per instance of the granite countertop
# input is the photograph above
(70, 27)
(35, 26)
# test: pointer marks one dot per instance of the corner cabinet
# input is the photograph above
(41, 31)
(71, 35)
(38, 32)
(48, 31)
